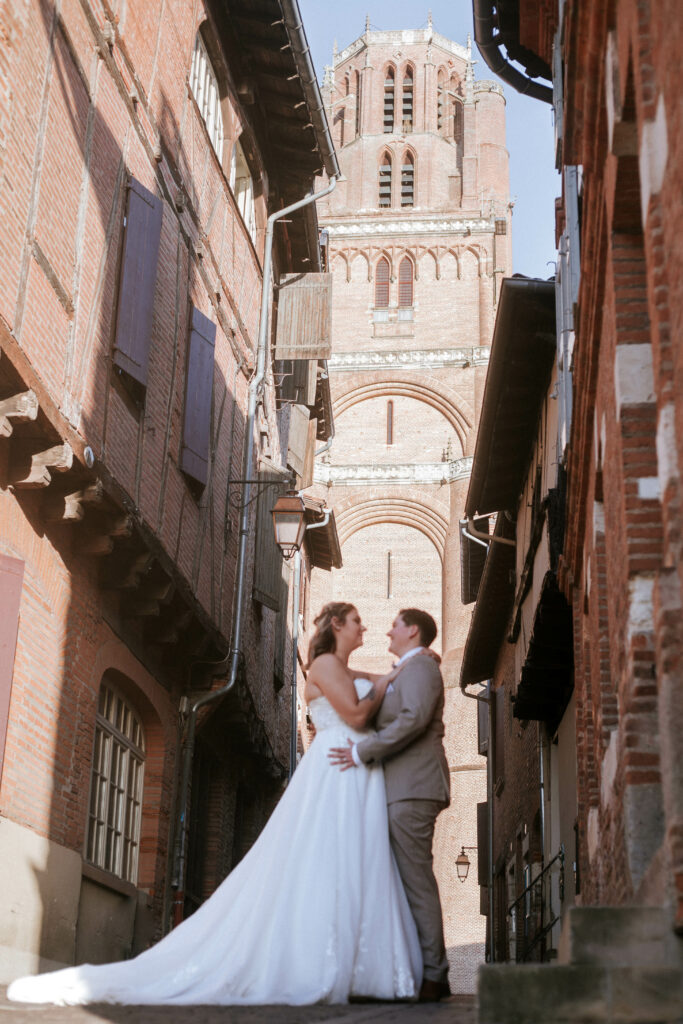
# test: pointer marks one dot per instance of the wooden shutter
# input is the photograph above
(144, 213)
(297, 438)
(268, 560)
(298, 380)
(382, 284)
(304, 311)
(405, 283)
(11, 579)
(194, 456)
(309, 460)
(281, 630)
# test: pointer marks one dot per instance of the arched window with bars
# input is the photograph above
(204, 86)
(385, 180)
(405, 283)
(441, 100)
(407, 99)
(382, 276)
(408, 180)
(389, 91)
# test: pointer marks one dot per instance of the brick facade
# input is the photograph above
(406, 370)
(128, 557)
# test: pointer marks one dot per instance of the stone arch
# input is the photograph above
(345, 260)
(376, 257)
(403, 511)
(432, 395)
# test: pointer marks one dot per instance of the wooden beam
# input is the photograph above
(71, 507)
(20, 407)
(32, 471)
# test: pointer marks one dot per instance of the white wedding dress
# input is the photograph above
(315, 912)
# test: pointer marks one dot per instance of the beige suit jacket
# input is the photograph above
(409, 738)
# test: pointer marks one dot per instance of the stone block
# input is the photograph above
(542, 994)
(619, 936)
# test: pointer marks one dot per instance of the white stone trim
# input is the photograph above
(375, 226)
(633, 376)
(414, 359)
(653, 156)
(667, 459)
(409, 473)
(640, 606)
(649, 488)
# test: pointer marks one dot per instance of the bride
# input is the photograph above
(316, 911)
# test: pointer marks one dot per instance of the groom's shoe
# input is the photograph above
(433, 991)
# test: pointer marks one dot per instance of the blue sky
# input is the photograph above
(534, 183)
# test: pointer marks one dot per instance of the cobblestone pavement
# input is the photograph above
(457, 1010)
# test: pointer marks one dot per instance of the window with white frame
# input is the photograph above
(114, 819)
(242, 186)
(204, 85)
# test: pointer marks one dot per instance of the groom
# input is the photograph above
(409, 743)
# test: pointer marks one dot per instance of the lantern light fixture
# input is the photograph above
(289, 522)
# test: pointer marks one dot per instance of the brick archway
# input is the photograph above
(404, 511)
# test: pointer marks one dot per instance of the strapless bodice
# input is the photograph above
(325, 717)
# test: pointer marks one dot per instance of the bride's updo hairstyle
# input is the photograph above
(323, 641)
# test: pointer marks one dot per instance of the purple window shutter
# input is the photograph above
(11, 579)
(144, 213)
(194, 456)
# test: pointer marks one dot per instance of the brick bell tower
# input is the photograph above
(419, 238)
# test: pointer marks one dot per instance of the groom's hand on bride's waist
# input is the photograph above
(342, 756)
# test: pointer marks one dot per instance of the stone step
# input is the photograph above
(619, 936)
(579, 994)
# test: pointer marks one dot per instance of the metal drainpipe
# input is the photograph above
(235, 653)
(489, 800)
(471, 531)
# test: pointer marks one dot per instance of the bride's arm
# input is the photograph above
(332, 679)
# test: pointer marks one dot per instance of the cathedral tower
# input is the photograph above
(419, 238)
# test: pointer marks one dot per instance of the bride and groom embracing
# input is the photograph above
(337, 898)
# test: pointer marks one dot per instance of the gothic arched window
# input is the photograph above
(382, 275)
(405, 282)
(407, 112)
(441, 100)
(389, 101)
(357, 88)
(408, 180)
(385, 180)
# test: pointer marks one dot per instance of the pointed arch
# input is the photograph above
(385, 171)
(382, 279)
(408, 179)
(407, 104)
(344, 259)
(389, 99)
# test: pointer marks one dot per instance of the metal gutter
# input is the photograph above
(489, 41)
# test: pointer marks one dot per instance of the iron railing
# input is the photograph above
(533, 913)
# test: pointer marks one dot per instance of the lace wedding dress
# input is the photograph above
(314, 913)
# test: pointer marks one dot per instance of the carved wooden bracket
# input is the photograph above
(20, 407)
(71, 507)
(32, 471)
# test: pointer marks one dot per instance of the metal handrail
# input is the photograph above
(537, 883)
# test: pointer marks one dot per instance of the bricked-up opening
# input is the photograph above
(389, 91)
(204, 85)
(407, 112)
(382, 275)
(389, 586)
(390, 422)
(408, 180)
(357, 89)
(405, 283)
(385, 181)
(115, 814)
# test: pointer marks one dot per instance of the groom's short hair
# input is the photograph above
(424, 622)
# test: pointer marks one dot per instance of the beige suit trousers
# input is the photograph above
(411, 829)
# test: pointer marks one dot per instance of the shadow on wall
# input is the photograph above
(464, 961)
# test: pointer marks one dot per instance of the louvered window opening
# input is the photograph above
(390, 427)
(440, 105)
(405, 283)
(115, 814)
(407, 183)
(382, 284)
(408, 102)
(204, 87)
(358, 103)
(385, 183)
(389, 103)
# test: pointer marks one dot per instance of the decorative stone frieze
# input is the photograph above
(405, 226)
(411, 473)
(416, 359)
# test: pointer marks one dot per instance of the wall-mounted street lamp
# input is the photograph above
(462, 862)
(289, 523)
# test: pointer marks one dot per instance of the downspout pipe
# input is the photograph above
(490, 760)
(232, 659)
(489, 42)
(471, 531)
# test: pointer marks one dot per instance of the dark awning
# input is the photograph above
(492, 610)
(322, 544)
(548, 671)
(522, 355)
